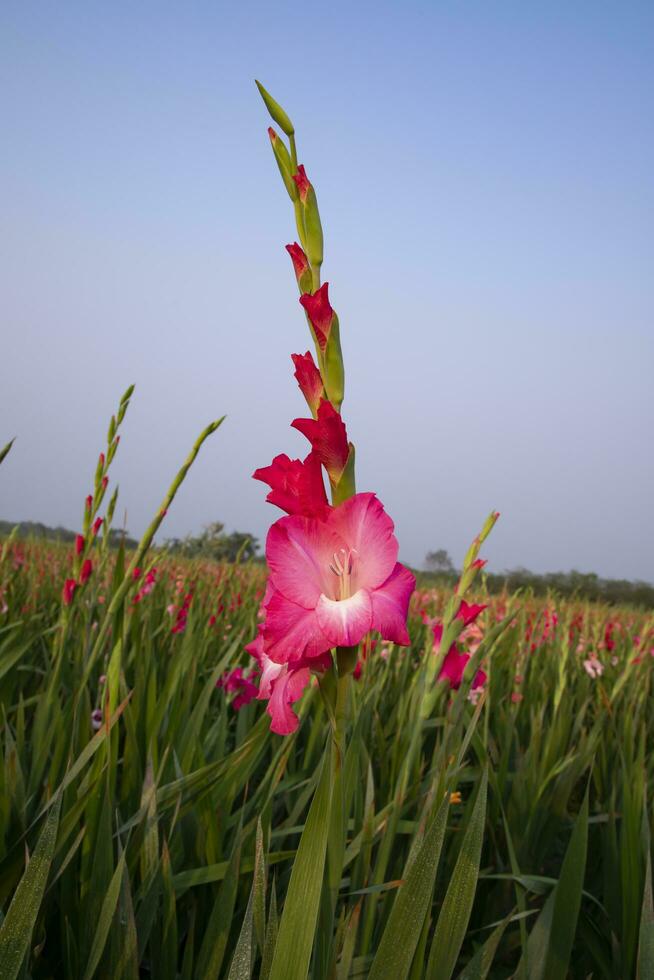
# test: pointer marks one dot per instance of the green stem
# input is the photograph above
(143, 547)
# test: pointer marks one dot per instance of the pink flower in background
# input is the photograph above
(328, 438)
(296, 486)
(235, 682)
(309, 379)
(320, 313)
(593, 667)
(454, 664)
(334, 579)
(454, 667)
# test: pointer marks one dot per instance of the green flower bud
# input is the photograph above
(276, 111)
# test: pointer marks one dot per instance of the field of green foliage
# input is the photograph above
(152, 826)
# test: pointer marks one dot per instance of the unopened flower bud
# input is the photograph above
(85, 573)
(301, 266)
(309, 379)
(284, 163)
(70, 586)
(312, 225)
(276, 111)
(79, 544)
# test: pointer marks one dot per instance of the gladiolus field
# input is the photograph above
(321, 766)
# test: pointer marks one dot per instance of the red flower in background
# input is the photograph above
(319, 310)
(328, 438)
(70, 585)
(469, 613)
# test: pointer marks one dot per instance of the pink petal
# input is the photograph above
(291, 632)
(299, 551)
(270, 671)
(367, 529)
(286, 689)
(390, 605)
(345, 622)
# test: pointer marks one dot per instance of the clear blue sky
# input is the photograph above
(485, 177)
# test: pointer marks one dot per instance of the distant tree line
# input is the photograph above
(215, 544)
(584, 585)
(212, 543)
(34, 529)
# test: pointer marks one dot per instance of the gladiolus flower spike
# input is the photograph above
(333, 570)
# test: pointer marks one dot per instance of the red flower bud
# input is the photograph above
(302, 182)
(101, 461)
(89, 502)
(105, 481)
(97, 524)
(328, 439)
(298, 258)
(320, 313)
(297, 487)
(309, 379)
(79, 544)
(69, 590)
(85, 574)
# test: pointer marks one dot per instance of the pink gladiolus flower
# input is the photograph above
(70, 586)
(333, 580)
(296, 487)
(89, 502)
(479, 563)
(469, 613)
(309, 379)
(299, 260)
(79, 544)
(328, 438)
(320, 313)
(97, 524)
(86, 570)
(302, 182)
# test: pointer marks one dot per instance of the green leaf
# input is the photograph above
(214, 944)
(104, 921)
(551, 939)
(298, 923)
(402, 933)
(457, 906)
(16, 930)
(646, 937)
(480, 964)
(241, 968)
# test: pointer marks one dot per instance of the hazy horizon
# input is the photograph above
(485, 184)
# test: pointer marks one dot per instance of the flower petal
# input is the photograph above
(390, 605)
(286, 689)
(345, 622)
(299, 551)
(367, 529)
(291, 632)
